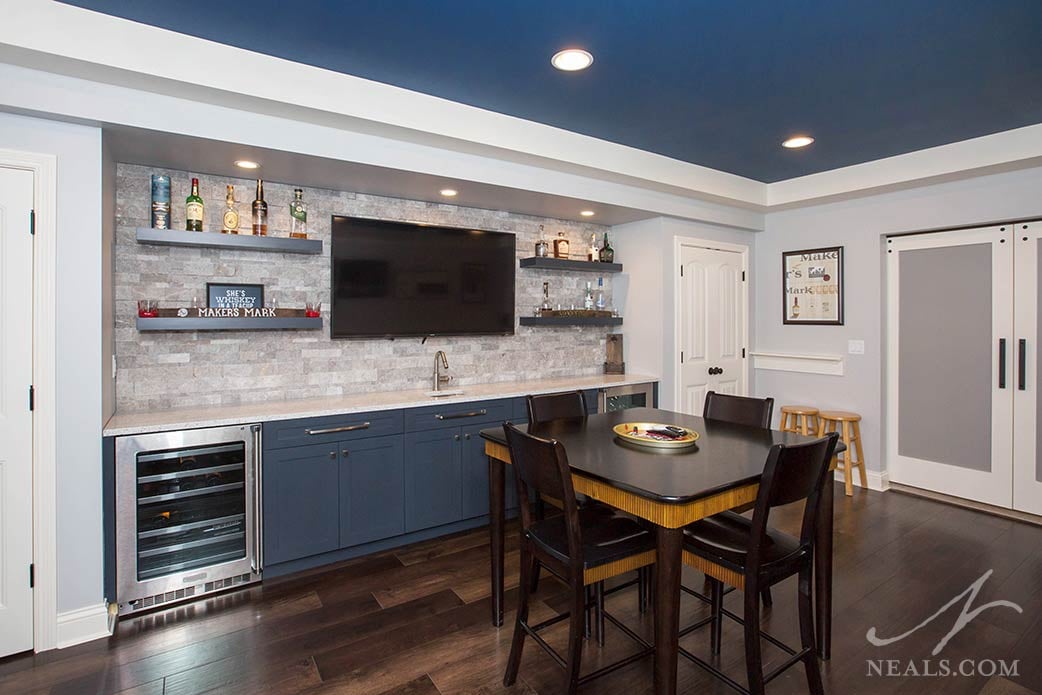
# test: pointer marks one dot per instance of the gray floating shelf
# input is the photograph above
(216, 240)
(163, 323)
(571, 321)
(568, 264)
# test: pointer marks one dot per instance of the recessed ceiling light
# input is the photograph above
(448, 192)
(572, 59)
(587, 213)
(797, 141)
(246, 164)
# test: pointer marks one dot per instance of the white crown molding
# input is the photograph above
(66, 39)
(61, 39)
(1020, 148)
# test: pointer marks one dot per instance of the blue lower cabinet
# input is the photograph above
(592, 397)
(475, 473)
(372, 490)
(433, 478)
(301, 502)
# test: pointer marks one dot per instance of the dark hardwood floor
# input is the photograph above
(416, 621)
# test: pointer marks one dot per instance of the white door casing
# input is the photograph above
(939, 427)
(711, 323)
(16, 422)
(1027, 387)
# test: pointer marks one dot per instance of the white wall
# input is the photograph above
(645, 292)
(79, 417)
(859, 226)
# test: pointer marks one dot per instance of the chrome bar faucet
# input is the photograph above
(440, 362)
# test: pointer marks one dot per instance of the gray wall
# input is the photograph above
(645, 292)
(79, 422)
(859, 226)
(163, 370)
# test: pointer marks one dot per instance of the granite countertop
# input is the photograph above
(123, 423)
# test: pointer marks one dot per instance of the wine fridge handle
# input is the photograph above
(1002, 363)
(258, 489)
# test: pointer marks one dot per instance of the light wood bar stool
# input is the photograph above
(800, 419)
(850, 427)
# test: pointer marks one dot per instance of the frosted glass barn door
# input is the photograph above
(950, 368)
(1027, 393)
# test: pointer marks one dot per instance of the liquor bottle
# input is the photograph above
(231, 213)
(588, 296)
(298, 216)
(260, 212)
(560, 246)
(160, 201)
(546, 306)
(607, 253)
(795, 307)
(194, 209)
(599, 297)
(592, 254)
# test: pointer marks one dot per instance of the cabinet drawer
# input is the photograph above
(435, 417)
(331, 429)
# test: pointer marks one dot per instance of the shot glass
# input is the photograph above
(147, 308)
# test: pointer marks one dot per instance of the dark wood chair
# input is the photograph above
(579, 554)
(748, 554)
(740, 410)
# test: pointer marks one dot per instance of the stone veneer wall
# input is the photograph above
(171, 370)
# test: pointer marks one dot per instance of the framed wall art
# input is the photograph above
(812, 287)
(221, 295)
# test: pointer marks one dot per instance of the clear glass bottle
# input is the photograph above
(588, 296)
(546, 306)
(298, 216)
(194, 209)
(260, 212)
(599, 302)
(607, 253)
(231, 213)
(592, 253)
(542, 246)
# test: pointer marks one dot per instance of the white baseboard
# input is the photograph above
(83, 625)
(877, 480)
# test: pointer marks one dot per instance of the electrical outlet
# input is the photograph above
(856, 347)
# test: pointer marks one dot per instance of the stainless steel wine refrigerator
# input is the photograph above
(187, 514)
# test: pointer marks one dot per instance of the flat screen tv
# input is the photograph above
(393, 279)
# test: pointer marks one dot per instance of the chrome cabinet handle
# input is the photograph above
(333, 430)
(457, 416)
(332, 454)
(258, 499)
(467, 437)
(456, 437)
(344, 453)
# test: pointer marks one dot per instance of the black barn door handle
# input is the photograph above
(1002, 363)
(1022, 358)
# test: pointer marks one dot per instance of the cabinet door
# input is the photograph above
(433, 478)
(372, 490)
(475, 476)
(301, 502)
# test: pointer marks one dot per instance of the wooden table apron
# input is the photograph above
(669, 519)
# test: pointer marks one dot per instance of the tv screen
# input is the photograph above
(402, 279)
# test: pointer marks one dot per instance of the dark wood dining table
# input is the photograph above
(670, 489)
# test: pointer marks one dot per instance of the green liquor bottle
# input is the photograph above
(194, 209)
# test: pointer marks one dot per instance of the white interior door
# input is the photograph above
(16, 424)
(950, 378)
(712, 310)
(1027, 385)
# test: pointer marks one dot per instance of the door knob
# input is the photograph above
(456, 437)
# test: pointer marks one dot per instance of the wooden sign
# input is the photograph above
(812, 286)
(238, 296)
(615, 364)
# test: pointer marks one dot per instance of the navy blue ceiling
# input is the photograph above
(715, 82)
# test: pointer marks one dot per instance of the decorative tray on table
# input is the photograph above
(656, 434)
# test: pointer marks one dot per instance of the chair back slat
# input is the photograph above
(740, 410)
(556, 406)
